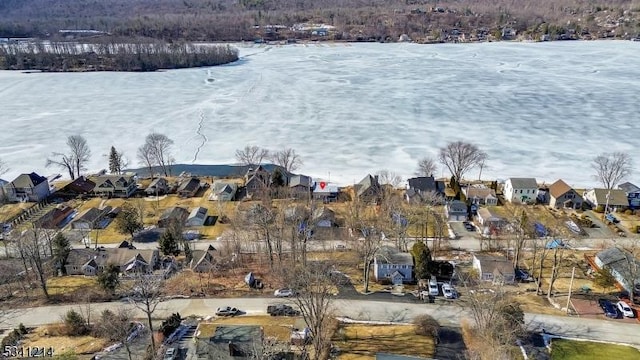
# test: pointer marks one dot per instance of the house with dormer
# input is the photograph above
(369, 189)
(480, 194)
(91, 262)
(256, 181)
(122, 186)
(633, 194)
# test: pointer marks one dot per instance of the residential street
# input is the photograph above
(448, 315)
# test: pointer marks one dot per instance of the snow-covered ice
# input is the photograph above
(541, 110)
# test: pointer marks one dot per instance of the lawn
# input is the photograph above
(585, 350)
(8, 211)
(49, 336)
(68, 284)
(363, 341)
(278, 327)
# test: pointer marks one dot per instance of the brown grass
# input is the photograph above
(277, 327)
(8, 211)
(71, 284)
(363, 341)
(50, 336)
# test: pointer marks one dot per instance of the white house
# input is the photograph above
(521, 190)
(497, 269)
(622, 265)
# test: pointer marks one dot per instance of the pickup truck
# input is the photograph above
(282, 310)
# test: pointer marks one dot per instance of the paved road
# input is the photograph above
(447, 315)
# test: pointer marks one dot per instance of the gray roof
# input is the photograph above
(220, 187)
(523, 183)
(28, 180)
(157, 182)
(629, 187)
(426, 183)
(189, 185)
(391, 255)
(493, 264)
(619, 260)
(174, 212)
(198, 212)
(93, 214)
(300, 180)
(367, 182)
(617, 197)
(236, 334)
(118, 256)
(457, 206)
(112, 180)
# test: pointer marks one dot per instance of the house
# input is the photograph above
(202, 261)
(189, 187)
(223, 191)
(197, 217)
(393, 265)
(79, 186)
(90, 219)
(508, 33)
(3, 195)
(456, 210)
(53, 217)
(90, 262)
(122, 186)
(231, 342)
(368, 189)
(633, 194)
(256, 181)
(27, 187)
(563, 196)
(300, 186)
(488, 218)
(424, 188)
(607, 199)
(174, 213)
(622, 264)
(480, 194)
(323, 217)
(325, 191)
(159, 186)
(521, 190)
(497, 269)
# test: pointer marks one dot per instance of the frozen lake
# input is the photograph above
(541, 110)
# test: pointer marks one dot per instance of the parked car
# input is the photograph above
(341, 247)
(608, 308)
(170, 354)
(469, 226)
(625, 310)
(433, 287)
(227, 311)
(523, 275)
(283, 293)
(282, 310)
(611, 218)
(449, 292)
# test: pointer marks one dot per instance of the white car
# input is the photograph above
(283, 293)
(449, 292)
(433, 288)
(625, 309)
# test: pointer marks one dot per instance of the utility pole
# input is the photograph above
(573, 273)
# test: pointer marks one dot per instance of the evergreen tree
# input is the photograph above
(168, 243)
(129, 220)
(422, 260)
(61, 249)
(188, 253)
(277, 178)
(109, 278)
(115, 161)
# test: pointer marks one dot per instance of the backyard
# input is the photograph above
(585, 350)
(363, 341)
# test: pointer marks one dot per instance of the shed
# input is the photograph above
(197, 217)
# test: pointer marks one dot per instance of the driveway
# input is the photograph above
(601, 231)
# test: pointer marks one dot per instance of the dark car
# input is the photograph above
(608, 308)
(227, 311)
(469, 226)
(523, 275)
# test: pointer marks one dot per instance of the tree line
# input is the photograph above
(138, 56)
(232, 20)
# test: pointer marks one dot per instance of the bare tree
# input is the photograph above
(460, 157)
(251, 155)
(145, 157)
(426, 167)
(80, 152)
(314, 296)
(117, 326)
(146, 297)
(386, 177)
(32, 248)
(287, 158)
(262, 219)
(367, 247)
(63, 161)
(159, 148)
(611, 168)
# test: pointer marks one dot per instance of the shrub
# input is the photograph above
(426, 326)
(171, 324)
(22, 329)
(75, 324)
(12, 338)
(628, 212)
